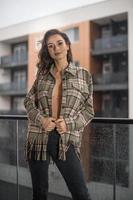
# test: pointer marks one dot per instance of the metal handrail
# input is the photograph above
(95, 120)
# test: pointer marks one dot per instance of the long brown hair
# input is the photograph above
(45, 61)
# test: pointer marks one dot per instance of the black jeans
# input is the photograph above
(70, 169)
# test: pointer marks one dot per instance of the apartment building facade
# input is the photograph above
(13, 73)
(101, 42)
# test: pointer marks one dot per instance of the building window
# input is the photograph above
(38, 44)
(120, 28)
(73, 34)
(20, 53)
(19, 76)
(107, 104)
(18, 104)
(19, 79)
(106, 31)
(115, 104)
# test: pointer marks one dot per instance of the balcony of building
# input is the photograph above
(110, 45)
(13, 88)
(14, 61)
(106, 157)
(111, 104)
(12, 112)
(110, 81)
(115, 113)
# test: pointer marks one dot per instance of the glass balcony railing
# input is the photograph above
(118, 112)
(13, 88)
(110, 44)
(12, 112)
(106, 156)
(14, 60)
(118, 77)
(118, 80)
(108, 78)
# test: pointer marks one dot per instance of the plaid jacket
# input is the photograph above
(76, 109)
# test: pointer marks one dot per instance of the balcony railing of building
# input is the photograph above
(112, 44)
(12, 61)
(107, 151)
(13, 88)
(115, 113)
(116, 81)
(12, 112)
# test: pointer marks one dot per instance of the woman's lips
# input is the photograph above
(57, 54)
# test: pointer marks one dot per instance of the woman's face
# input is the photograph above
(57, 47)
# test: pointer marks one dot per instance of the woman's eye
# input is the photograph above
(60, 43)
(50, 46)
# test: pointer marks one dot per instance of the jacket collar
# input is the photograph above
(70, 69)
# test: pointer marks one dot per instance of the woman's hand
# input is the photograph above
(61, 125)
(48, 123)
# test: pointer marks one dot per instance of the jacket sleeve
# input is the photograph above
(30, 103)
(85, 114)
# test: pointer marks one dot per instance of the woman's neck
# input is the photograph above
(60, 65)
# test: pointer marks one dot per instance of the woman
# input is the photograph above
(59, 106)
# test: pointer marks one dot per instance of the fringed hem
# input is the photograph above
(36, 148)
(62, 152)
(34, 154)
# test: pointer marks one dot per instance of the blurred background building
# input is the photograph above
(101, 37)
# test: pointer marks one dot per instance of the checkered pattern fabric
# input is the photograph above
(76, 109)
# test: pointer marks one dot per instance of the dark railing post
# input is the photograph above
(17, 158)
(114, 161)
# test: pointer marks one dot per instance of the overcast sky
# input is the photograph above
(16, 11)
